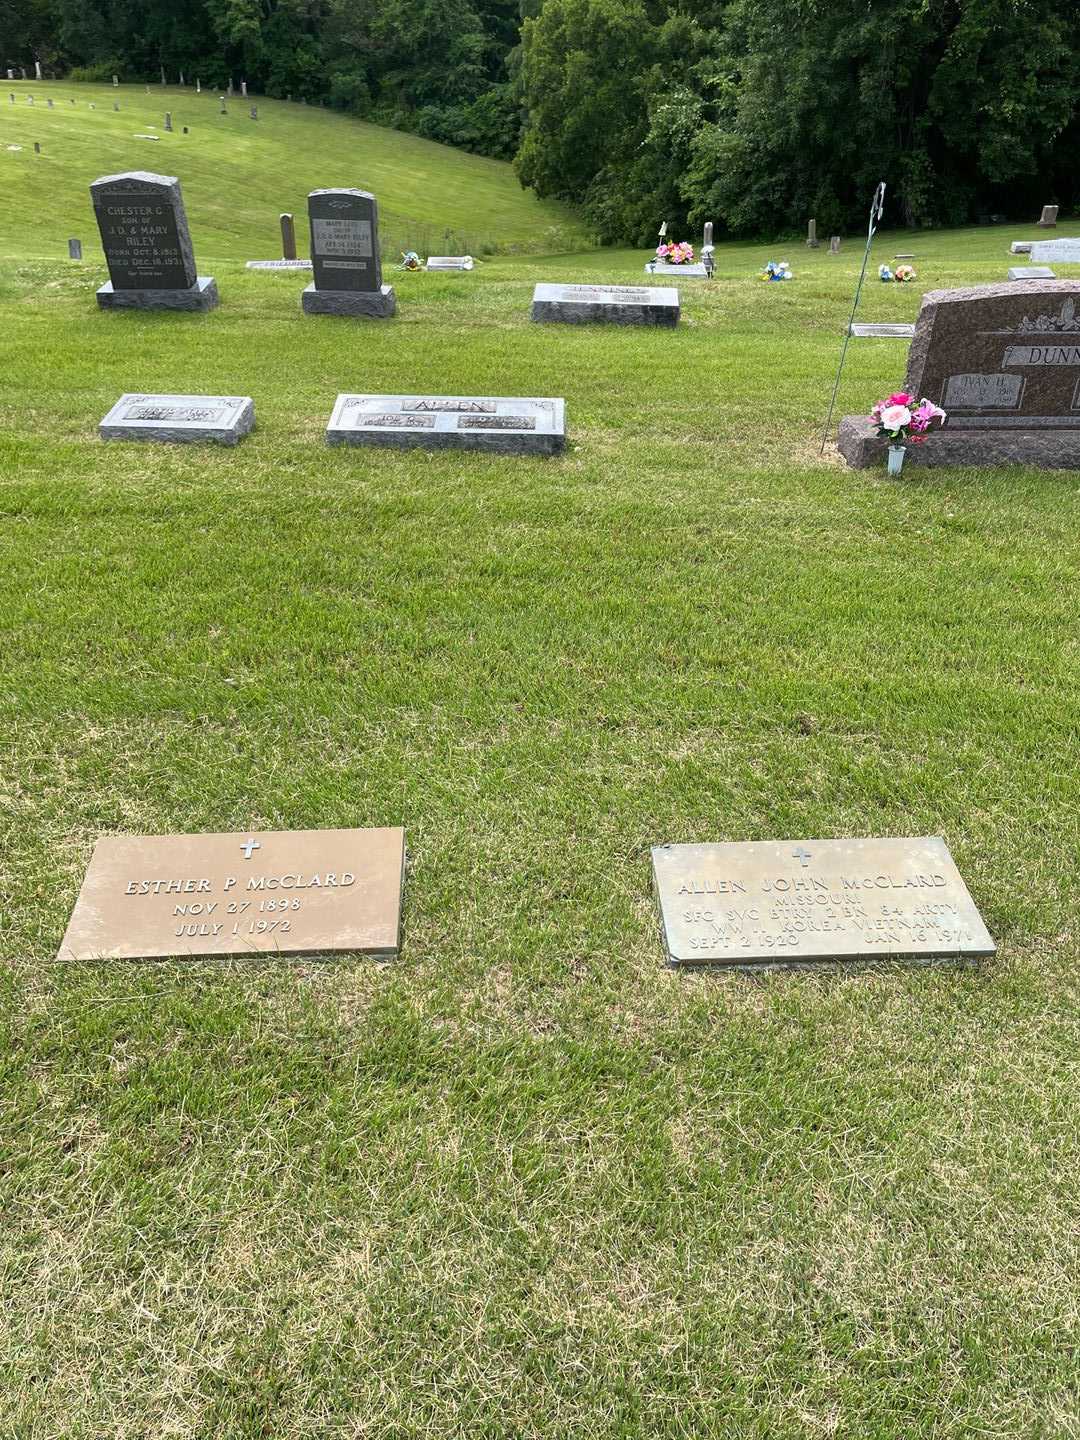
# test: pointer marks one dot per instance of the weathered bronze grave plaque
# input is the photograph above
(769, 902)
(288, 892)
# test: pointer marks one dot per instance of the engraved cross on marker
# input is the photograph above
(248, 846)
(801, 855)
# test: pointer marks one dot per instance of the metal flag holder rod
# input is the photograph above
(876, 207)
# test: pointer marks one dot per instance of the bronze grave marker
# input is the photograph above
(288, 892)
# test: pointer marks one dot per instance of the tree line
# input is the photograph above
(755, 114)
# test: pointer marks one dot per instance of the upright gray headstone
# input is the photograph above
(115, 81)
(145, 235)
(49, 103)
(11, 74)
(345, 256)
(37, 69)
(198, 87)
(811, 234)
(243, 89)
(288, 237)
(708, 235)
(254, 112)
(229, 89)
(11, 97)
(116, 106)
(834, 244)
(74, 249)
(224, 111)
(163, 74)
(1048, 218)
(37, 147)
(30, 99)
(181, 79)
(168, 120)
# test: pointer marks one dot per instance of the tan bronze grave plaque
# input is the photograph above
(769, 902)
(288, 892)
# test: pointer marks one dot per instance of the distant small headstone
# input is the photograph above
(12, 99)
(179, 418)
(229, 89)
(289, 97)
(11, 74)
(185, 130)
(92, 105)
(147, 245)
(74, 249)
(1003, 361)
(450, 262)
(254, 112)
(49, 103)
(288, 236)
(243, 89)
(168, 120)
(455, 422)
(30, 99)
(1048, 218)
(198, 87)
(766, 903)
(904, 255)
(181, 79)
(37, 69)
(276, 892)
(610, 304)
(345, 255)
(163, 74)
(811, 234)
(116, 106)
(115, 81)
(37, 147)
(1020, 247)
(1031, 272)
(834, 244)
(224, 111)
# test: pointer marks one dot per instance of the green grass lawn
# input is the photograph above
(524, 1181)
(239, 174)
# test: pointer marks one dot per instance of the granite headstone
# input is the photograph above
(147, 245)
(613, 304)
(514, 426)
(224, 419)
(1004, 362)
(345, 256)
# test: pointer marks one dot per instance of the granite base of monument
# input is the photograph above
(508, 426)
(180, 419)
(374, 304)
(767, 903)
(606, 304)
(1047, 449)
(203, 295)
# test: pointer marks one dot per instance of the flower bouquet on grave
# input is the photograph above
(885, 274)
(903, 274)
(901, 418)
(678, 252)
(776, 270)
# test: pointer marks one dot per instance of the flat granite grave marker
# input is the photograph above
(147, 245)
(1065, 250)
(696, 271)
(1031, 272)
(345, 256)
(1003, 361)
(775, 903)
(286, 892)
(179, 418)
(1021, 247)
(881, 330)
(508, 425)
(611, 304)
(449, 262)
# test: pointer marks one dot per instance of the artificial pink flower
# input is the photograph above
(895, 417)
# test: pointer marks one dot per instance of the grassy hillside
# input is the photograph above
(238, 175)
(524, 1181)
